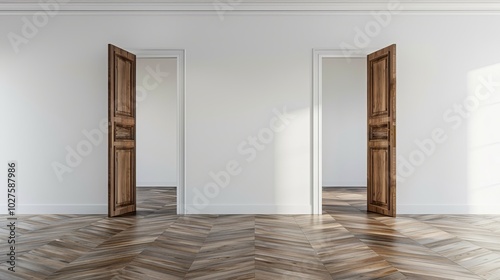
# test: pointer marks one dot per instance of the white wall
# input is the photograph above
(156, 122)
(238, 70)
(344, 122)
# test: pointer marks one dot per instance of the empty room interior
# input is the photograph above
(251, 139)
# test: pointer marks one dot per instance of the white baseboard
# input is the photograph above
(38, 209)
(155, 186)
(89, 209)
(248, 209)
(343, 186)
(353, 183)
(448, 209)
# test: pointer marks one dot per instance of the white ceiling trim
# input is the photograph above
(250, 6)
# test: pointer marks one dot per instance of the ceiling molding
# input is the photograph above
(235, 6)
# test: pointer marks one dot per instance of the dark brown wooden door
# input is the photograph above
(121, 132)
(381, 190)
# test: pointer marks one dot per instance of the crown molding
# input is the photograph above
(239, 6)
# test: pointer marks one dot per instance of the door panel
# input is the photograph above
(381, 189)
(380, 163)
(124, 161)
(125, 98)
(379, 93)
(121, 132)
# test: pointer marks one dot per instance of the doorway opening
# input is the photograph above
(156, 126)
(125, 94)
(379, 127)
(319, 57)
(343, 91)
(160, 86)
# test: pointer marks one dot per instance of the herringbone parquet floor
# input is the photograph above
(343, 243)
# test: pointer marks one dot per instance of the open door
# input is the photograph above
(381, 188)
(121, 132)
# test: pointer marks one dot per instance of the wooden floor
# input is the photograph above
(343, 243)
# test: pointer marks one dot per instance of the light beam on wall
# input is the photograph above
(482, 115)
(292, 164)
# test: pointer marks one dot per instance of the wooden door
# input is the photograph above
(121, 132)
(381, 189)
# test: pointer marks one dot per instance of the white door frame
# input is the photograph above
(180, 55)
(317, 121)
